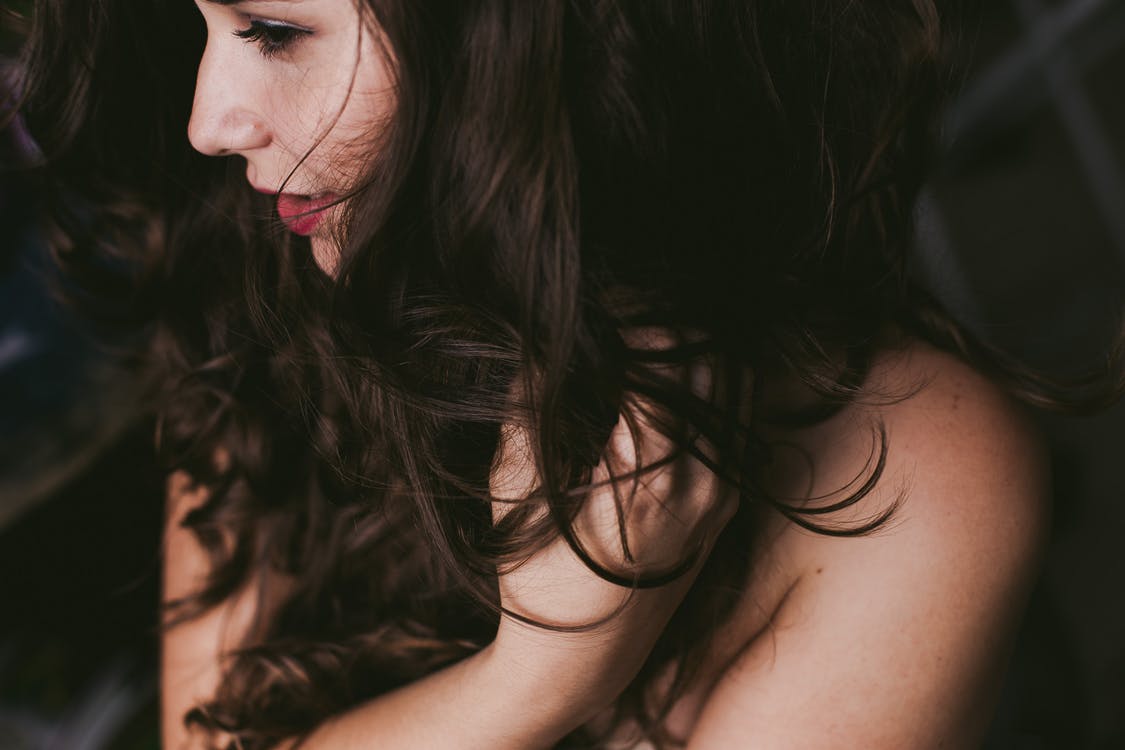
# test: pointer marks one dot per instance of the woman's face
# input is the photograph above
(299, 88)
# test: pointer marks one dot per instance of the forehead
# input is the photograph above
(265, 6)
(251, 2)
(321, 8)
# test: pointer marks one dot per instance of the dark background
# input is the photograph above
(1022, 232)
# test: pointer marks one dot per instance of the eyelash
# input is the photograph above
(272, 39)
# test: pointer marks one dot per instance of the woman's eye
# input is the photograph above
(271, 37)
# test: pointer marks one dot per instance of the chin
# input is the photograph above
(326, 254)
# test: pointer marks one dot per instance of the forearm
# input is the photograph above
(497, 699)
(527, 690)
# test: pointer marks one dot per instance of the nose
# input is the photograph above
(223, 119)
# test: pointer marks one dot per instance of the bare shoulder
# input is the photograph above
(897, 638)
(964, 466)
(974, 471)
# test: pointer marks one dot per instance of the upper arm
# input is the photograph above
(192, 652)
(899, 638)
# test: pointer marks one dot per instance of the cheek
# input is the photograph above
(304, 113)
(370, 105)
(364, 120)
(340, 122)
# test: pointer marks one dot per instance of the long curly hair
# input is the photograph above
(737, 174)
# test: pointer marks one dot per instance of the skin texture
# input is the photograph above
(191, 654)
(573, 675)
(893, 640)
(302, 117)
(900, 638)
(897, 639)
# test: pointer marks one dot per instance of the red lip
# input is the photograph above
(302, 214)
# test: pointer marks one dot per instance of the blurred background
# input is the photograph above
(1021, 232)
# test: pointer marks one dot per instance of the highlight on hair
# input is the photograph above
(557, 177)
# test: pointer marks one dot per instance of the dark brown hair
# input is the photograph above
(738, 174)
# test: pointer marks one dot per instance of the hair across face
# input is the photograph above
(299, 89)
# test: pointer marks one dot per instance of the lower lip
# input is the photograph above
(302, 215)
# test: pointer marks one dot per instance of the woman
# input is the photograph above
(586, 400)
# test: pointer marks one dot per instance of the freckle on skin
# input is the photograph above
(819, 571)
